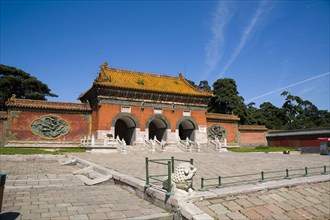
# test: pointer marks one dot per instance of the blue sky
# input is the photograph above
(265, 46)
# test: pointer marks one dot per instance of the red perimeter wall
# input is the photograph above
(2, 132)
(231, 130)
(252, 138)
(294, 141)
(20, 126)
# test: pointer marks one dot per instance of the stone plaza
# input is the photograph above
(38, 187)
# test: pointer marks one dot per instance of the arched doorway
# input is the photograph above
(186, 129)
(125, 129)
(157, 128)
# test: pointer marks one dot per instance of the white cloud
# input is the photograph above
(252, 25)
(215, 46)
(288, 86)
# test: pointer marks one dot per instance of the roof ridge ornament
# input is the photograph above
(13, 97)
(103, 73)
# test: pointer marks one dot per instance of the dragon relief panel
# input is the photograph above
(216, 131)
(50, 127)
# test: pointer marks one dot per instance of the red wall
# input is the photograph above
(294, 141)
(2, 130)
(20, 126)
(231, 129)
(252, 138)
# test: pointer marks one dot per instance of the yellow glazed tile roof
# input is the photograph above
(128, 79)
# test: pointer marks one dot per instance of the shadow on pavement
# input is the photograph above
(9, 215)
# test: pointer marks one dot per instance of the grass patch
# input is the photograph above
(70, 150)
(13, 150)
(263, 149)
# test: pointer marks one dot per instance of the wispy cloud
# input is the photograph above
(252, 25)
(215, 46)
(288, 86)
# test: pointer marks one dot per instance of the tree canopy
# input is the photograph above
(226, 99)
(22, 84)
(295, 113)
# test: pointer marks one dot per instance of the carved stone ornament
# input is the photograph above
(182, 177)
(50, 127)
(216, 131)
(103, 73)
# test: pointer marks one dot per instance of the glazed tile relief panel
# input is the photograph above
(50, 127)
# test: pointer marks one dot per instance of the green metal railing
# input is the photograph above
(262, 176)
(170, 169)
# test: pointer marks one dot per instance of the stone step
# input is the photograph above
(158, 216)
(103, 151)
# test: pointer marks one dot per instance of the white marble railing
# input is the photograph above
(121, 145)
(186, 145)
(159, 145)
(148, 144)
(91, 141)
(218, 145)
(88, 141)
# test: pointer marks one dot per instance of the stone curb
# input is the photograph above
(154, 195)
(161, 216)
(249, 188)
(186, 208)
(190, 210)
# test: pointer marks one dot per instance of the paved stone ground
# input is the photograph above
(213, 165)
(311, 201)
(45, 190)
(42, 189)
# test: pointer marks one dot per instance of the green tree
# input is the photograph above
(272, 116)
(299, 113)
(22, 84)
(192, 83)
(204, 86)
(254, 115)
(226, 99)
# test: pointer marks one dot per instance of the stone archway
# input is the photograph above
(157, 127)
(125, 129)
(187, 129)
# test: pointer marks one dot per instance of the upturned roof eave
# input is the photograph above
(207, 95)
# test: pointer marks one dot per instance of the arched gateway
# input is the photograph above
(125, 125)
(127, 99)
(124, 129)
(157, 127)
(187, 127)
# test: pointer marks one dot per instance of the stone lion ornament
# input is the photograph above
(182, 177)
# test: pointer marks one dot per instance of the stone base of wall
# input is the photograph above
(310, 150)
(43, 144)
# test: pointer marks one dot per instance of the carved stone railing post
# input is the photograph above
(188, 145)
(88, 140)
(93, 140)
(85, 140)
(217, 144)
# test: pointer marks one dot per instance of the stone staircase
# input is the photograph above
(172, 148)
(140, 148)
